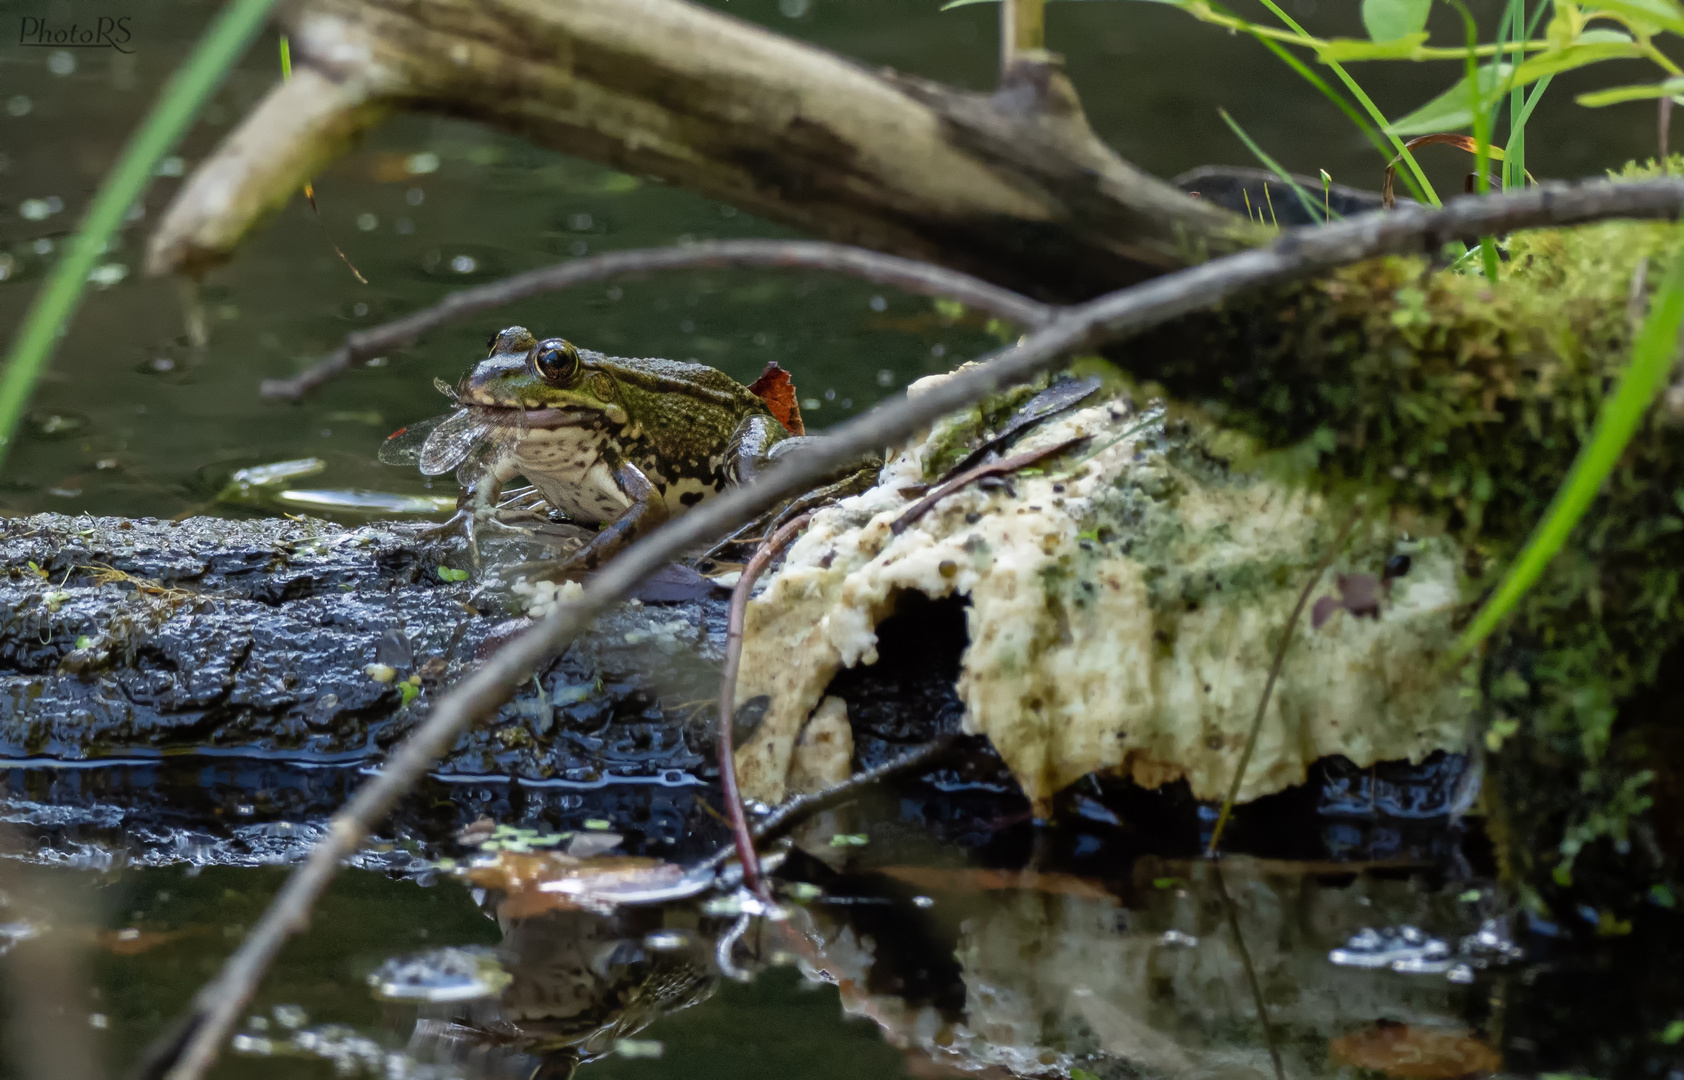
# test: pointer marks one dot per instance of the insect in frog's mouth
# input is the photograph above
(506, 416)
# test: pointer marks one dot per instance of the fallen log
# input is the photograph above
(313, 643)
(1012, 187)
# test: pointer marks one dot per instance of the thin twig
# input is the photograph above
(1274, 673)
(1295, 255)
(1003, 467)
(1250, 975)
(757, 565)
(915, 277)
(798, 809)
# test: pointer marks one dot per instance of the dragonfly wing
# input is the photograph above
(403, 446)
(455, 437)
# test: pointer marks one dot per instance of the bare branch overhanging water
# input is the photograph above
(1116, 315)
(916, 277)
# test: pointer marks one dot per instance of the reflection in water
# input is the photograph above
(575, 986)
(1019, 973)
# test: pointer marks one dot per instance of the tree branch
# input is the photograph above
(1013, 187)
(915, 277)
(1296, 255)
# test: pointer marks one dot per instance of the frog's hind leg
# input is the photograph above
(645, 513)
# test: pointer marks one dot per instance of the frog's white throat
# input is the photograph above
(568, 467)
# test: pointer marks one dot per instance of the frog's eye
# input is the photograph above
(555, 361)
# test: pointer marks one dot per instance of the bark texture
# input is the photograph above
(1013, 187)
(134, 638)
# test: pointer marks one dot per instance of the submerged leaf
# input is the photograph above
(535, 882)
(1413, 1052)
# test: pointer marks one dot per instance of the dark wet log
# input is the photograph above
(1012, 187)
(123, 639)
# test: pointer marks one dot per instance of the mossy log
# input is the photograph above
(1456, 407)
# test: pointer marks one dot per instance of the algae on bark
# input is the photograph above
(1125, 600)
(1454, 408)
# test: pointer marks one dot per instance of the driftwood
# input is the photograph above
(1011, 187)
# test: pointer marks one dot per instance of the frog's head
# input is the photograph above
(540, 384)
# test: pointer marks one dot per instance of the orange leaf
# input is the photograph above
(777, 390)
(1465, 143)
(1412, 1052)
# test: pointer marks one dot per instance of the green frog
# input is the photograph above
(611, 442)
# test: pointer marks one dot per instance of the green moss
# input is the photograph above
(957, 435)
(1458, 407)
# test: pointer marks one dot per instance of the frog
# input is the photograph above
(613, 443)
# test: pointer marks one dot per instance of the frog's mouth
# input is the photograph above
(513, 416)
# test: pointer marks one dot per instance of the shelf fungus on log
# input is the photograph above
(1126, 599)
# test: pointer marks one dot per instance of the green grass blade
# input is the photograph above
(186, 92)
(1616, 422)
(1303, 71)
(1421, 184)
(1310, 205)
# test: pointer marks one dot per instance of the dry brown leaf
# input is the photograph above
(552, 881)
(777, 390)
(1411, 1052)
(969, 880)
(132, 942)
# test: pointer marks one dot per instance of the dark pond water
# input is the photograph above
(986, 951)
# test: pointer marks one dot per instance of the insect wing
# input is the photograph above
(403, 446)
(451, 441)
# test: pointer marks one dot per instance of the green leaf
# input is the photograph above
(448, 574)
(409, 691)
(84, 641)
(1672, 1036)
(1388, 20)
(1616, 95)
(1450, 111)
(192, 84)
(1645, 15)
(1556, 61)
(1343, 50)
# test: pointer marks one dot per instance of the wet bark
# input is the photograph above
(1013, 186)
(129, 639)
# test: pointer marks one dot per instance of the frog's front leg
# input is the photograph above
(645, 513)
(482, 484)
(752, 446)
